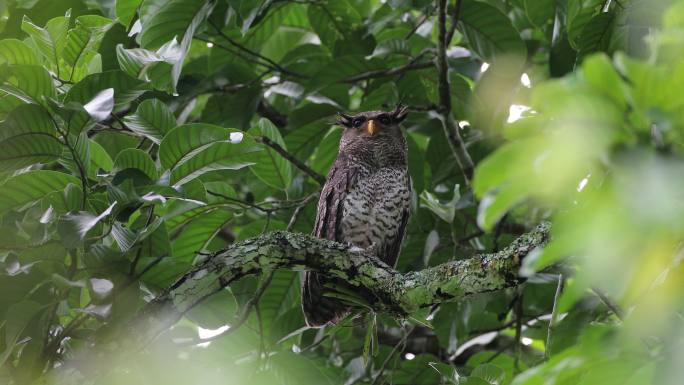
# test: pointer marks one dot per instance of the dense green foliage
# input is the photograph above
(138, 135)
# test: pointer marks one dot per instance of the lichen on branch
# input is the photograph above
(390, 290)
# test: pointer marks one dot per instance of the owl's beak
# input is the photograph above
(373, 127)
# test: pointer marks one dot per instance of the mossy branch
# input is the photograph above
(390, 290)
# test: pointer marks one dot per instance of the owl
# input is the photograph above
(364, 203)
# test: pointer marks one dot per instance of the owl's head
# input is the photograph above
(373, 133)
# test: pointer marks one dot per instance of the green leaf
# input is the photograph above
(170, 20)
(152, 119)
(327, 150)
(197, 233)
(48, 40)
(13, 51)
(489, 32)
(27, 119)
(580, 13)
(32, 186)
(28, 83)
(596, 35)
(99, 158)
(82, 44)
(18, 316)
(177, 19)
(125, 10)
(25, 150)
(191, 150)
(540, 12)
(126, 88)
(493, 374)
(270, 166)
(136, 159)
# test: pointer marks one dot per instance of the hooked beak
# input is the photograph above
(373, 127)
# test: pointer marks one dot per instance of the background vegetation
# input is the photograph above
(139, 135)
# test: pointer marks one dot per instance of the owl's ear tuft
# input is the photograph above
(344, 120)
(399, 113)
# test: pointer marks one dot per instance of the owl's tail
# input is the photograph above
(319, 310)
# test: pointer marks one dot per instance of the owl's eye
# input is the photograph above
(358, 122)
(384, 120)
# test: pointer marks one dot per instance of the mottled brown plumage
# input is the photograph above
(365, 201)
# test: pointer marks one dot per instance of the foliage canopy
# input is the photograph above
(136, 136)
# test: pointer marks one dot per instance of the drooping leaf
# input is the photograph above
(73, 227)
(445, 211)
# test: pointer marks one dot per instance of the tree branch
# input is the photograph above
(388, 290)
(451, 129)
(296, 162)
(414, 64)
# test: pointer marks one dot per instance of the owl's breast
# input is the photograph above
(373, 210)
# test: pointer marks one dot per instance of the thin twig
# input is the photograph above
(242, 315)
(454, 21)
(412, 65)
(295, 162)
(298, 210)
(451, 129)
(241, 47)
(554, 317)
(518, 309)
(615, 308)
(394, 351)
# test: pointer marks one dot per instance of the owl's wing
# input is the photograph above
(341, 179)
(390, 253)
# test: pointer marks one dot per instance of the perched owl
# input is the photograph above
(365, 201)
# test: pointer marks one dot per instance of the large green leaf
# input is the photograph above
(540, 12)
(125, 10)
(27, 137)
(49, 40)
(596, 35)
(177, 19)
(13, 51)
(191, 150)
(489, 32)
(197, 233)
(126, 88)
(579, 15)
(168, 21)
(24, 150)
(152, 119)
(82, 44)
(136, 159)
(270, 166)
(27, 119)
(32, 186)
(29, 83)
